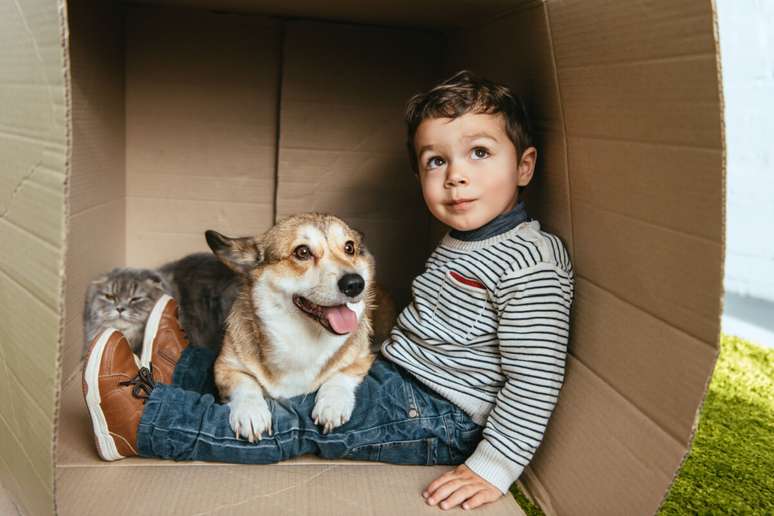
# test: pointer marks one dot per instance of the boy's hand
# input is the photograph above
(460, 486)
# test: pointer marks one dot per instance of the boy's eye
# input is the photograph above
(480, 153)
(435, 162)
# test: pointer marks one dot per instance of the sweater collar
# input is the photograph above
(494, 227)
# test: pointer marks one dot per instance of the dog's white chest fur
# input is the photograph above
(300, 347)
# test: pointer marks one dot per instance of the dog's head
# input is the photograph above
(314, 263)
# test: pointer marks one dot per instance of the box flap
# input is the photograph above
(602, 455)
(34, 148)
(643, 126)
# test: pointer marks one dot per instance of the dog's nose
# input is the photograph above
(351, 284)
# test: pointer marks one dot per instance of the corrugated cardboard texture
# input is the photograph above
(33, 146)
(612, 459)
(628, 119)
(641, 103)
(641, 109)
(306, 485)
(522, 39)
(342, 136)
(277, 490)
(419, 13)
(201, 114)
(97, 225)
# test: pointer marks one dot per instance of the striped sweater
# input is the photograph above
(487, 329)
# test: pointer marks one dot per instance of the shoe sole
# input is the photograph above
(151, 328)
(106, 446)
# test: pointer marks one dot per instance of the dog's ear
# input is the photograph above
(362, 244)
(241, 255)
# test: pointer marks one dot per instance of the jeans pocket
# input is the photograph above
(417, 451)
(470, 434)
(467, 435)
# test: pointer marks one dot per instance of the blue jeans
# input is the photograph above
(396, 419)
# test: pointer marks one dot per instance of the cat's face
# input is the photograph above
(125, 297)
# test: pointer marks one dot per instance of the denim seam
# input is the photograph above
(214, 439)
(449, 434)
(393, 443)
(227, 442)
(411, 399)
(279, 436)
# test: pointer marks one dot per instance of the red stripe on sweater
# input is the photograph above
(467, 281)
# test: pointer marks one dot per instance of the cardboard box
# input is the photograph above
(127, 129)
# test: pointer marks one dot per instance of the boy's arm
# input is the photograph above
(533, 331)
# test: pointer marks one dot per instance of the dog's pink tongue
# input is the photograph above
(342, 319)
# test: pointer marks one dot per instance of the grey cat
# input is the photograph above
(122, 299)
(203, 287)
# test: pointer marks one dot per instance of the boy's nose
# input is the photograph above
(454, 177)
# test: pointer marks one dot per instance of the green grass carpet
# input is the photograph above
(730, 469)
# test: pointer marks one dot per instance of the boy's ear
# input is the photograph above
(241, 255)
(526, 166)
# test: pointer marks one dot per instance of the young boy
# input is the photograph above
(473, 366)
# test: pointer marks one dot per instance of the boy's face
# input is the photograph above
(469, 168)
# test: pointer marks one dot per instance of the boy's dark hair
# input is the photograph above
(465, 92)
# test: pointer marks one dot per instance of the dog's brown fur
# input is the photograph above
(254, 359)
(245, 340)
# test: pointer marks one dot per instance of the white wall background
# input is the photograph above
(747, 54)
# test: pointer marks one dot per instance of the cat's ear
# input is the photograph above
(152, 276)
(238, 254)
(93, 287)
(98, 283)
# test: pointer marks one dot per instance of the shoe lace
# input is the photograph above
(142, 384)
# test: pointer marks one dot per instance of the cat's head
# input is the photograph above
(124, 296)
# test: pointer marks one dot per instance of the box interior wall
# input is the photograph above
(184, 119)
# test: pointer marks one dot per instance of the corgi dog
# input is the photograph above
(300, 321)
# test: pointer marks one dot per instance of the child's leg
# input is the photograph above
(193, 371)
(395, 420)
(169, 355)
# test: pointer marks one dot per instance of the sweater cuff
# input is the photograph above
(493, 466)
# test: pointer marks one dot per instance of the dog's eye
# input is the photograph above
(349, 247)
(302, 252)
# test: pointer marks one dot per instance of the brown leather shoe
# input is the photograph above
(115, 390)
(164, 340)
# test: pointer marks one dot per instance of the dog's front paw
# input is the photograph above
(250, 417)
(333, 407)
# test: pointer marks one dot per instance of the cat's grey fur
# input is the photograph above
(203, 287)
(122, 299)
